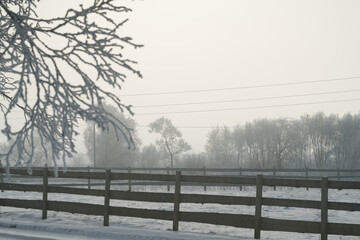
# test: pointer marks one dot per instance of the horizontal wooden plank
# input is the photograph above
(21, 187)
(309, 177)
(281, 202)
(234, 220)
(349, 170)
(310, 204)
(82, 175)
(219, 179)
(344, 185)
(297, 183)
(68, 174)
(142, 176)
(157, 183)
(347, 176)
(344, 206)
(141, 213)
(146, 183)
(228, 200)
(83, 169)
(287, 176)
(344, 229)
(23, 171)
(300, 170)
(75, 184)
(77, 191)
(60, 206)
(18, 203)
(72, 207)
(321, 170)
(17, 176)
(270, 224)
(218, 169)
(142, 196)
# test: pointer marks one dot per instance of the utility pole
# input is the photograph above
(94, 146)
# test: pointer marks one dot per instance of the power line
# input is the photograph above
(191, 127)
(246, 108)
(243, 87)
(243, 108)
(242, 100)
(248, 99)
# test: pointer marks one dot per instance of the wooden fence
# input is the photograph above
(305, 173)
(299, 173)
(256, 221)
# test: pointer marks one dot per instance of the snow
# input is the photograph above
(16, 223)
(75, 230)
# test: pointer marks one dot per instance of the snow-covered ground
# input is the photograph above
(17, 223)
(34, 229)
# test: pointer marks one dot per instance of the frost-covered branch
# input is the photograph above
(57, 71)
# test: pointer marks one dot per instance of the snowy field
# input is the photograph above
(59, 225)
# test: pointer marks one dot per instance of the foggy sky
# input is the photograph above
(191, 45)
(213, 44)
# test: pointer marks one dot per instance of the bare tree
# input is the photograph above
(258, 135)
(298, 143)
(347, 141)
(239, 144)
(39, 156)
(111, 152)
(322, 133)
(280, 141)
(171, 143)
(224, 147)
(55, 85)
(150, 157)
(194, 160)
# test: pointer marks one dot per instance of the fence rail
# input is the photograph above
(306, 174)
(256, 221)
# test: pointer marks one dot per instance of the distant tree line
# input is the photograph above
(104, 148)
(312, 141)
(315, 141)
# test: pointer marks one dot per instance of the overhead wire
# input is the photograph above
(191, 127)
(242, 108)
(241, 87)
(242, 100)
(245, 108)
(247, 99)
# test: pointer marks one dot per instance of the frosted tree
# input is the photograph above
(57, 71)
(39, 158)
(321, 134)
(171, 142)
(150, 157)
(109, 151)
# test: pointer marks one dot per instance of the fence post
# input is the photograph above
(1, 178)
(338, 174)
(324, 208)
(177, 201)
(88, 169)
(168, 172)
(240, 172)
(129, 171)
(45, 192)
(204, 173)
(307, 176)
(258, 206)
(274, 174)
(107, 197)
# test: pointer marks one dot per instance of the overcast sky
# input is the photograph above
(193, 45)
(197, 45)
